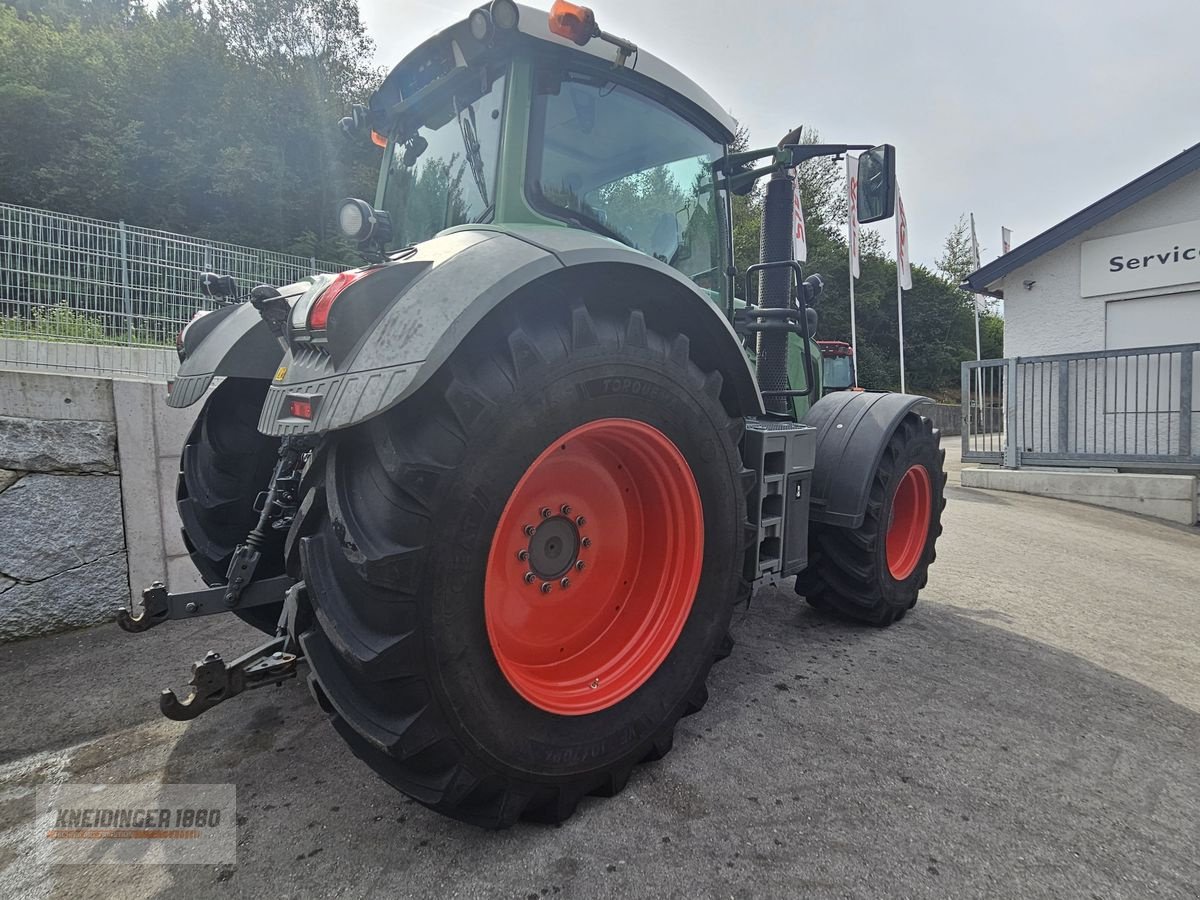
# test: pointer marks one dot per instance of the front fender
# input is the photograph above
(853, 428)
(466, 275)
(237, 345)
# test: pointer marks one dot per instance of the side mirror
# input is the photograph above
(354, 124)
(877, 184)
(218, 286)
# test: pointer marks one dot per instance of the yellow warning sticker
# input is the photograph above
(281, 373)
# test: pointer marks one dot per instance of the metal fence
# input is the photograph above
(91, 296)
(1133, 408)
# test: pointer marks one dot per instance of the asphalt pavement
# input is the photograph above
(1031, 730)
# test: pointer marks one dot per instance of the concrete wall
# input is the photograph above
(1174, 498)
(89, 359)
(87, 487)
(1052, 317)
(150, 435)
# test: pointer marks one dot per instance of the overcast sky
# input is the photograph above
(1022, 111)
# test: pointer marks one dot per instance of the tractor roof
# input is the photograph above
(535, 23)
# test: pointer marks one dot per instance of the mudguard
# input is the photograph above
(232, 342)
(853, 428)
(453, 281)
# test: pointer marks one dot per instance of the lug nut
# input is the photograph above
(547, 587)
(587, 542)
(580, 521)
(546, 513)
(566, 510)
(529, 530)
(522, 555)
(565, 582)
(530, 578)
(579, 565)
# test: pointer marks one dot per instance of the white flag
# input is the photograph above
(1005, 239)
(974, 244)
(902, 261)
(852, 184)
(801, 253)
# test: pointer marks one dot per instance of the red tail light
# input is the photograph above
(300, 409)
(318, 316)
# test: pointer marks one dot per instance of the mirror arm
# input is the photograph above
(798, 153)
(734, 183)
(786, 157)
(730, 163)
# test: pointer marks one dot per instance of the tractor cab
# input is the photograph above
(518, 118)
(515, 118)
(837, 366)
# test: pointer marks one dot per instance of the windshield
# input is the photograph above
(837, 372)
(444, 173)
(609, 159)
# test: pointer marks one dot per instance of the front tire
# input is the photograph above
(874, 573)
(481, 693)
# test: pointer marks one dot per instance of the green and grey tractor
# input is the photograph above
(499, 490)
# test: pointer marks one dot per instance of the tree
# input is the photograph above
(169, 120)
(957, 260)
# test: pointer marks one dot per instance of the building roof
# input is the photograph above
(1139, 189)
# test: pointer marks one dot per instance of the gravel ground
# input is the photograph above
(1032, 730)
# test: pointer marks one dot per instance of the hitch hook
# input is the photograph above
(213, 681)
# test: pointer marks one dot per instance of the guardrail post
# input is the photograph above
(1186, 368)
(1064, 404)
(126, 299)
(1012, 457)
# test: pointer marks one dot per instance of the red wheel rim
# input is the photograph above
(911, 510)
(593, 566)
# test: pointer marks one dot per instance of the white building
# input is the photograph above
(1124, 272)
(1080, 301)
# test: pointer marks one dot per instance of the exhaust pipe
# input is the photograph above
(774, 287)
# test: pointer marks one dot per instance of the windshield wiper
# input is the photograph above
(466, 124)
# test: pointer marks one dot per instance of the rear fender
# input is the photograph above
(469, 274)
(853, 428)
(233, 342)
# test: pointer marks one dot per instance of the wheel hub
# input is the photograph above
(553, 548)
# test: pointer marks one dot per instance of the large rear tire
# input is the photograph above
(457, 643)
(225, 463)
(873, 573)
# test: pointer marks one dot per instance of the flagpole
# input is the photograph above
(975, 307)
(900, 322)
(852, 247)
(903, 274)
(853, 325)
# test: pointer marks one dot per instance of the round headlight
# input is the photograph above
(480, 23)
(355, 219)
(505, 14)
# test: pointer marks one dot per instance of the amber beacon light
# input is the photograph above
(577, 23)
